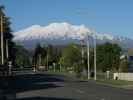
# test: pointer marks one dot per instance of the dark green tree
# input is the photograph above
(71, 58)
(7, 35)
(36, 56)
(123, 65)
(53, 55)
(50, 55)
(108, 56)
(22, 57)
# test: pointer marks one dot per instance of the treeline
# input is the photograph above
(70, 57)
(45, 56)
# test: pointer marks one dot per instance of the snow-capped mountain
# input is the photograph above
(56, 31)
(60, 33)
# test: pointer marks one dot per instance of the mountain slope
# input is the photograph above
(62, 33)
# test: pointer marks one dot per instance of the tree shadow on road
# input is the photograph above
(34, 82)
(32, 78)
(30, 82)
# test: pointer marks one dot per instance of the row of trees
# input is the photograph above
(45, 56)
(70, 57)
(108, 57)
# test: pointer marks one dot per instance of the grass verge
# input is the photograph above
(116, 82)
(110, 82)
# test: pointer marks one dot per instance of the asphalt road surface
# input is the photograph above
(44, 86)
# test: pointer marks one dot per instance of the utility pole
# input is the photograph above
(54, 66)
(47, 62)
(60, 67)
(82, 51)
(40, 60)
(2, 45)
(88, 54)
(95, 65)
(7, 51)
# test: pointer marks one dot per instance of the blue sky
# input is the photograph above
(105, 16)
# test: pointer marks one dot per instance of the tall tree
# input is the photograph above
(22, 57)
(37, 55)
(53, 54)
(7, 35)
(123, 65)
(71, 57)
(50, 55)
(108, 56)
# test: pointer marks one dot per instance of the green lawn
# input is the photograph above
(116, 82)
(111, 82)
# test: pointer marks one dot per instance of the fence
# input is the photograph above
(104, 75)
(123, 76)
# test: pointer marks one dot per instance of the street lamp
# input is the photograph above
(82, 51)
(7, 51)
(47, 59)
(2, 45)
(40, 60)
(95, 66)
(88, 55)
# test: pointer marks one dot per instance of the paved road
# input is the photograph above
(38, 86)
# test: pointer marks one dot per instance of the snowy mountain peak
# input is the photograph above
(57, 30)
(62, 33)
(104, 36)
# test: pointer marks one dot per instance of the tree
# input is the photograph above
(50, 55)
(108, 56)
(71, 57)
(7, 35)
(116, 57)
(22, 57)
(43, 56)
(123, 65)
(53, 54)
(37, 55)
(91, 57)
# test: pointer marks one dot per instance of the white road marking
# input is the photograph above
(79, 91)
(90, 95)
